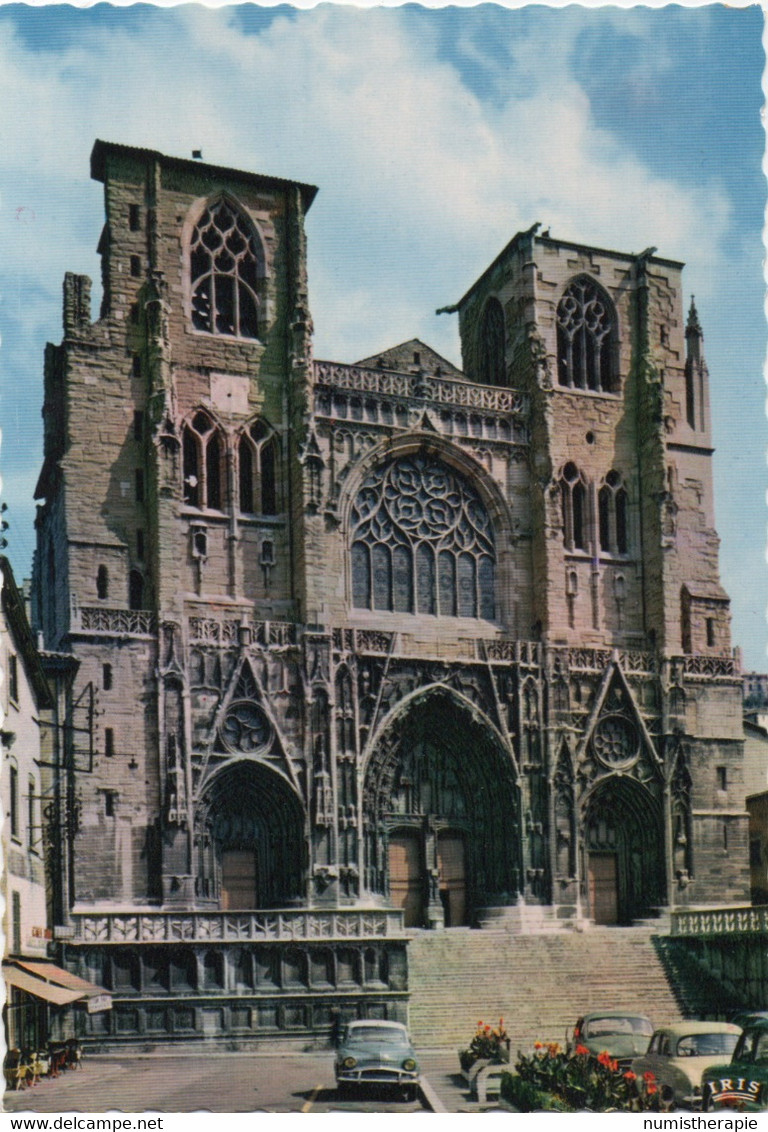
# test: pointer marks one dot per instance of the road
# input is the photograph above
(229, 1082)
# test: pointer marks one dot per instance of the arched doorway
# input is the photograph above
(442, 835)
(623, 852)
(249, 839)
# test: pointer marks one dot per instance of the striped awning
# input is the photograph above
(53, 984)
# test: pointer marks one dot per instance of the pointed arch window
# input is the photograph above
(573, 491)
(258, 451)
(586, 338)
(204, 462)
(226, 270)
(493, 370)
(422, 542)
(612, 515)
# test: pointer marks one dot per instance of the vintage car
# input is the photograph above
(377, 1053)
(678, 1055)
(742, 1083)
(621, 1033)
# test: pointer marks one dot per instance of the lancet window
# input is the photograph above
(226, 270)
(258, 463)
(204, 463)
(586, 338)
(422, 542)
(493, 370)
(612, 514)
(573, 490)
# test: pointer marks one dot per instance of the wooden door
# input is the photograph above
(603, 888)
(406, 883)
(238, 880)
(452, 878)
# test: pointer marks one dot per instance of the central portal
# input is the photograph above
(441, 813)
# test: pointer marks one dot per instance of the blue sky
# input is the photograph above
(433, 135)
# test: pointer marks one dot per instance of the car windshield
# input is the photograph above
(380, 1034)
(605, 1027)
(706, 1045)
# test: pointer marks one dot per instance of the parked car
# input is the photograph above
(746, 1017)
(621, 1033)
(678, 1055)
(742, 1083)
(377, 1053)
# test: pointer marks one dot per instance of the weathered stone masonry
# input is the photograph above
(391, 635)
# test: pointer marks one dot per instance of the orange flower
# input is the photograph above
(538, 1045)
(630, 1076)
(604, 1058)
(651, 1089)
(582, 1051)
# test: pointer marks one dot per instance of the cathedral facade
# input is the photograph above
(373, 647)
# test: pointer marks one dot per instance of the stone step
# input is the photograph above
(538, 983)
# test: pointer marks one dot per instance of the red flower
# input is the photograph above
(538, 1045)
(582, 1051)
(651, 1089)
(648, 1076)
(630, 1076)
(604, 1058)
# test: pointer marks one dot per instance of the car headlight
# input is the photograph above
(349, 1062)
(409, 1064)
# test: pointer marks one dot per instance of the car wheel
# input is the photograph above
(706, 1099)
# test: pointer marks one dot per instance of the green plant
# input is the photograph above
(488, 1044)
(584, 1082)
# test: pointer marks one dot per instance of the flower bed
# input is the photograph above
(549, 1080)
(488, 1044)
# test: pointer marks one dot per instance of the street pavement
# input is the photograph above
(231, 1082)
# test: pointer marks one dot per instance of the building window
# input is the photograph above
(204, 463)
(109, 742)
(135, 590)
(13, 678)
(16, 922)
(110, 801)
(225, 272)
(136, 365)
(573, 491)
(135, 265)
(493, 369)
(14, 801)
(102, 583)
(134, 217)
(722, 777)
(612, 514)
(710, 626)
(258, 460)
(139, 485)
(586, 338)
(422, 542)
(106, 677)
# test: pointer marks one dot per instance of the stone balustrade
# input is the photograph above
(720, 921)
(284, 925)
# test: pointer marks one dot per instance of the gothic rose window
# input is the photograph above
(422, 542)
(586, 338)
(493, 369)
(204, 463)
(225, 272)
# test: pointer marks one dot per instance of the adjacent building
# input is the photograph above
(370, 644)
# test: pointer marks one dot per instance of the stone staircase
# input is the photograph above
(539, 984)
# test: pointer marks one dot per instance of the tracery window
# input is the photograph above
(586, 337)
(204, 463)
(612, 515)
(258, 463)
(422, 542)
(493, 370)
(573, 492)
(225, 267)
